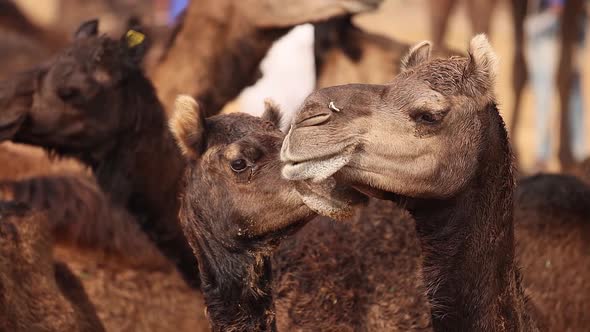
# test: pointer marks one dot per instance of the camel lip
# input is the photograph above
(317, 170)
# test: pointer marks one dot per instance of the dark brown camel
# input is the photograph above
(437, 143)
(38, 294)
(121, 135)
(230, 211)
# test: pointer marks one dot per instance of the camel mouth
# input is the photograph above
(330, 198)
(317, 169)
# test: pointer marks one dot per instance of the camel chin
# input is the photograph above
(329, 198)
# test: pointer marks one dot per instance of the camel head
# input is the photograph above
(417, 136)
(82, 97)
(234, 187)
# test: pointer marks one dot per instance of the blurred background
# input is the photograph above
(289, 72)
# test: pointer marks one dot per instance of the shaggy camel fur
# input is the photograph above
(434, 137)
(128, 294)
(37, 293)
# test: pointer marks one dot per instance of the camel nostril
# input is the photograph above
(68, 93)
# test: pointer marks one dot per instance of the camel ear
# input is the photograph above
(188, 126)
(272, 112)
(87, 29)
(482, 66)
(418, 54)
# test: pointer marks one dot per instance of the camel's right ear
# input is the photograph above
(418, 54)
(272, 112)
(188, 126)
(87, 29)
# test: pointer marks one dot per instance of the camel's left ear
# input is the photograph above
(418, 54)
(272, 112)
(188, 126)
(136, 42)
(482, 66)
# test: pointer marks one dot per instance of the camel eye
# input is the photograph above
(238, 165)
(427, 117)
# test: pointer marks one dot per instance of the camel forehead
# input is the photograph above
(442, 75)
(228, 128)
(95, 50)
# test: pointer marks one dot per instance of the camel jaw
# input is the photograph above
(329, 198)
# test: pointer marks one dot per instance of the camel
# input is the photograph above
(37, 292)
(103, 138)
(316, 278)
(449, 163)
(125, 293)
(232, 38)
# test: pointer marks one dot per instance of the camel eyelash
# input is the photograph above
(428, 117)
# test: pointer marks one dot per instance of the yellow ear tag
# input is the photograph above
(134, 38)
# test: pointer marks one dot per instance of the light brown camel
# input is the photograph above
(38, 294)
(221, 43)
(447, 158)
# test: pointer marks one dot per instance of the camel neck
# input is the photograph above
(473, 283)
(237, 288)
(144, 167)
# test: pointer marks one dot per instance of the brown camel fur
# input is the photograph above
(126, 298)
(446, 156)
(221, 43)
(553, 231)
(37, 294)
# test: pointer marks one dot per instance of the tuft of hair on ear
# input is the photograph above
(418, 54)
(87, 29)
(272, 112)
(187, 124)
(483, 62)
